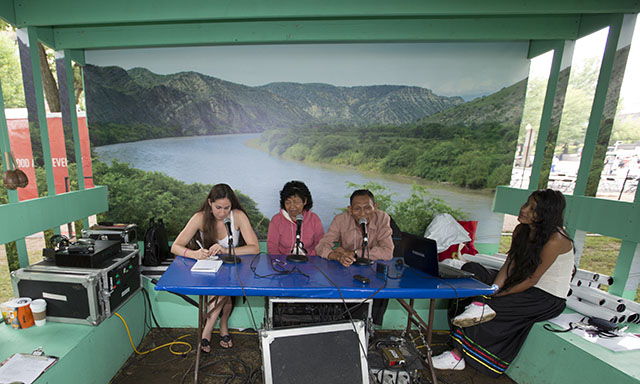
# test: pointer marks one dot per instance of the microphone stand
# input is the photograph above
(231, 258)
(298, 258)
(364, 260)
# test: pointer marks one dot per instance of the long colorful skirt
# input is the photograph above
(490, 347)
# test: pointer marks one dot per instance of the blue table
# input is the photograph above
(326, 279)
(266, 275)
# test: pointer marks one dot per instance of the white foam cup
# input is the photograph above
(39, 309)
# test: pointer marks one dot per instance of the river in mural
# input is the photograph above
(228, 159)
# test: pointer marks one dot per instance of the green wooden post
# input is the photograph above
(42, 114)
(5, 146)
(34, 55)
(64, 67)
(545, 119)
(626, 276)
(65, 56)
(597, 107)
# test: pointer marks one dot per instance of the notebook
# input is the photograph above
(422, 254)
(206, 265)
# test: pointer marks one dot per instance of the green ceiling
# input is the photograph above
(91, 24)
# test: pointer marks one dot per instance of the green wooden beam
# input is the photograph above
(538, 47)
(12, 194)
(597, 108)
(77, 55)
(626, 274)
(613, 218)
(7, 11)
(5, 146)
(318, 31)
(509, 200)
(46, 12)
(45, 35)
(73, 115)
(26, 217)
(621, 272)
(42, 114)
(593, 23)
(545, 118)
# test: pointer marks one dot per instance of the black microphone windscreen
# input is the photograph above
(362, 220)
(299, 217)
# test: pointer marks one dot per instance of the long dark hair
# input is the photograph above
(524, 253)
(218, 191)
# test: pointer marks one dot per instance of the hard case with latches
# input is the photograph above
(81, 295)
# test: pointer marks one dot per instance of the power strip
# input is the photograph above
(386, 376)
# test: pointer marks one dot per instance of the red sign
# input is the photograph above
(58, 154)
(85, 149)
(20, 141)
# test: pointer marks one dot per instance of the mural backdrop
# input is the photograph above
(413, 121)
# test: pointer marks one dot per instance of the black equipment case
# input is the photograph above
(81, 295)
(125, 233)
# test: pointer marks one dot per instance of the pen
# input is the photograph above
(201, 247)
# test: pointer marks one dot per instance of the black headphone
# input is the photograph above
(58, 241)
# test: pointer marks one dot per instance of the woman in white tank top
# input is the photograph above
(531, 286)
(208, 222)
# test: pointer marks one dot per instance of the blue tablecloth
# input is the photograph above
(258, 276)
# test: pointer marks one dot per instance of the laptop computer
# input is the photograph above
(422, 254)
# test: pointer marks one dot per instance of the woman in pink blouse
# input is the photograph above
(295, 199)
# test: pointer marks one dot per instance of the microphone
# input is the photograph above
(227, 224)
(299, 227)
(363, 226)
(297, 257)
(362, 260)
(231, 258)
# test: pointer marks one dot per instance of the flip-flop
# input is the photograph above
(204, 343)
(226, 339)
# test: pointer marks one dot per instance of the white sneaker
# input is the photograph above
(446, 360)
(474, 314)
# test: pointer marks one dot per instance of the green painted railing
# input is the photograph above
(21, 219)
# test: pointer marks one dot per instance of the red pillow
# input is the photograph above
(468, 247)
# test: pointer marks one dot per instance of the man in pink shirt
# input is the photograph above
(346, 231)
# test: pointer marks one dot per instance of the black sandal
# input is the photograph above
(226, 339)
(205, 343)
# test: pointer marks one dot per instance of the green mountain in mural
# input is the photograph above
(364, 105)
(504, 107)
(138, 104)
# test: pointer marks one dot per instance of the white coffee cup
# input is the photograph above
(39, 310)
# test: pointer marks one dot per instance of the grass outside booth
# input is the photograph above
(74, 26)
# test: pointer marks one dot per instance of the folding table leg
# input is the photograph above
(202, 312)
(414, 316)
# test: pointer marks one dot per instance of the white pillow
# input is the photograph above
(446, 231)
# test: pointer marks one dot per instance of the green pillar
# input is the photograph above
(597, 108)
(34, 95)
(42, 114)
(5, 146)
(626, 275)
(66, 87)
(545, 118)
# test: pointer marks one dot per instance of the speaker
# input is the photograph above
(318, 354)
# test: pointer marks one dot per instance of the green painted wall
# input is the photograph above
(173, 312)
(87, 354)
(552, 358)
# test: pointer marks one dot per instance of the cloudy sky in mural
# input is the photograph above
(460, 69)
